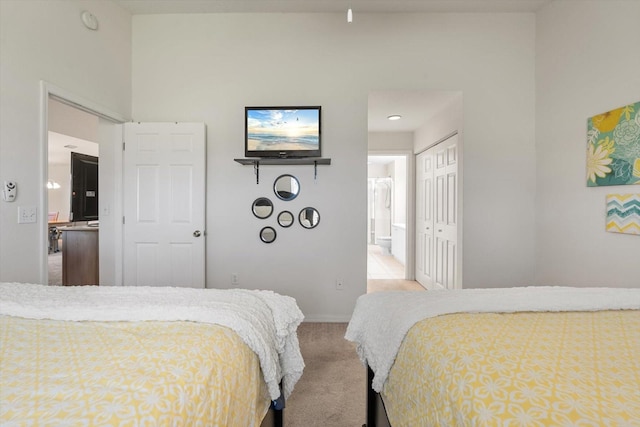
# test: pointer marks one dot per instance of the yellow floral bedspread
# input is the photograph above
(59, 373)
(522, 369)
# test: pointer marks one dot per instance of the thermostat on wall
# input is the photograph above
(9, 190)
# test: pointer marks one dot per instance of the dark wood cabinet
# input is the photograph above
(80, 256)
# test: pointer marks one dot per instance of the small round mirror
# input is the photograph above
(286, 187)
(262, 207)
(268, 234)
(285, 219)
(309, 217)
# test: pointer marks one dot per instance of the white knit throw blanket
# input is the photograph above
(381, 320)
(265, 321)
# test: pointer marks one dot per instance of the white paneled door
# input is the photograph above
(437, 216)
(424, 218)
(164, 204)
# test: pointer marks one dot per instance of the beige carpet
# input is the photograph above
(332, 390)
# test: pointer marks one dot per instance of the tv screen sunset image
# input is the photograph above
(283, 129)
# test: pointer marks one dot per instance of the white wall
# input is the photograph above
(400, 191)
(588, 62)
(447, 121)
(208, 67)
(45, 40)
(110, 202)
(496, 204)
(60, 198)
(381, 142)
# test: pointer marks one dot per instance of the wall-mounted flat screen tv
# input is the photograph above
(282, 132)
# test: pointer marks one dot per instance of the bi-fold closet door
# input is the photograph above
(437, 215)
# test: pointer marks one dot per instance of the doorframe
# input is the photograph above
(47, 91)
(410, 247)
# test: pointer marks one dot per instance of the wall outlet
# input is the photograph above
(234, 279)
(339, 284)
(27, 214)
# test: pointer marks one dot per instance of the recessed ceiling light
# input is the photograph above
(395, 117)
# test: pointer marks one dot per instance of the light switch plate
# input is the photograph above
(27, 214)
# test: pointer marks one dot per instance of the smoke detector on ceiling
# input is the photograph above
(89, 20)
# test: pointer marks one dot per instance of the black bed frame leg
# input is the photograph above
(278, 418)
(277, 406)
(372, 400)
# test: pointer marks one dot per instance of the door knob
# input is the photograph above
(196, 233)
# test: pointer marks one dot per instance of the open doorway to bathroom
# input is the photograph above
(400, 124)
(386, 217)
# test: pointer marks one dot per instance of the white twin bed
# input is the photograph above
(536, 356)
(93, 355)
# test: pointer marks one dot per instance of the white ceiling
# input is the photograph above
(61, 155)
(415, 107)
(144, 7)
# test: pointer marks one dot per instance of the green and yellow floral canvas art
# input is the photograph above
(613, 147)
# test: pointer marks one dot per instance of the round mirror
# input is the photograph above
(262, 207)
(268, 234)
(285, 219)
(309, 217)
(286, 187)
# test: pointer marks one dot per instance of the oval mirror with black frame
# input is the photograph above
(309, 217)
(262, 207)
(268, 234)
(285, 219)
(286, 187)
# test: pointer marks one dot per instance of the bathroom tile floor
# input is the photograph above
(381, 266)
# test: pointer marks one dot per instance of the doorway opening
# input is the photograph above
(71, 134)
(68, 119)
(407, 122)
(387, 217)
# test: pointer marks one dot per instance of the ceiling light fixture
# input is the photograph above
(349, 16)
(394, 117)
